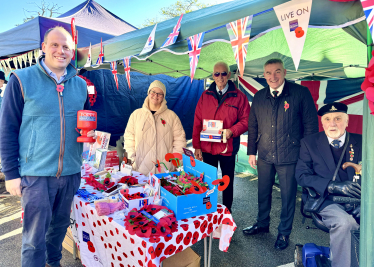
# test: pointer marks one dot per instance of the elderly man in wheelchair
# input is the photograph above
(331, 191)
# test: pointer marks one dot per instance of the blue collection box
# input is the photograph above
(187, 206)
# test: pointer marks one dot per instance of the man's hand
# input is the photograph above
(14, 187)
(228, 134)
(346, 188)
(252, 161)
(92, 134)
(198, 154)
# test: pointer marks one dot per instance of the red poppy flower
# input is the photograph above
(223, 183)
(220, 219)
(208, 205)
(124, 254)
(203, 226)
(179, 238)
(215, 219)
(167, 238)
(193, 162)
(187, 239)
(198, 189)
(163, 121)
(160, 247)
(60, 88)
(195, 237)
(141, 232)
(227, 221)
(197, 224)
(184, 226)
(91, 246)
(170, 157)
(210, 228)
(227, 211)
(154, 239)
(299, 32)
(170, 250)
(110, 245)
(144, 244)
(179, 249)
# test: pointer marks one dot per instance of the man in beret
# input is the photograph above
(318, 159)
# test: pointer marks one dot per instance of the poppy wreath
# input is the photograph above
(91, 180)
(130, 180)
(138, 224)
(132, 196)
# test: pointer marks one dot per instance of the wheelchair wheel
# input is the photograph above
(298, 257)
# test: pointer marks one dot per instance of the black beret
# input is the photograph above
(332, 107)
(2, 75)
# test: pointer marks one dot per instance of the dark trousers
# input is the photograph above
(288, 187)
(227, 164)
(46, 202)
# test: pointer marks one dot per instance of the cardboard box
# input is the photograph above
(100, 158)
(136, 203)
(187, 206)
(212, 131)
(68, 243)
(185, 258)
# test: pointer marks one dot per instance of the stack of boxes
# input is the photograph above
(111, 159)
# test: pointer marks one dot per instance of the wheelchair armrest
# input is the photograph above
(311, 191)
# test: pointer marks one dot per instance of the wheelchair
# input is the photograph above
(320, 259)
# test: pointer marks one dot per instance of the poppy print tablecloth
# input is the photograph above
(103, 241)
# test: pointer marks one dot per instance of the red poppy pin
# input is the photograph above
(163, 121)
(299, 32)
(286, 106)
(60, 88)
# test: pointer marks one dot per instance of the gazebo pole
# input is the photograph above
(367, 183)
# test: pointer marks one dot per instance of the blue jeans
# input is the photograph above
(46, 203)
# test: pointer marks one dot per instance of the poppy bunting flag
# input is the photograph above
(126, 65)
(88, 62)
(368, 6)
(194, 48)
(113, 67)
(240, 32)
(74, 34)
(294, 17)
(100, 59)
(150, 42)
(174, 34)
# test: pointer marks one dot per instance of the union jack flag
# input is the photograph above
(113, 67)
(368, 6)
(100, 59)
(323, 92)
(174, 34)
(239, 32)
(126, 65)
(194, 47)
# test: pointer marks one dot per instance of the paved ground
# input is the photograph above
(255, 251)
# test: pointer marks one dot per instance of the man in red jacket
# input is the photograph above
(222, 101)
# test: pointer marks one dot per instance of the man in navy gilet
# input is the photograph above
(40, 155)
(319, 156)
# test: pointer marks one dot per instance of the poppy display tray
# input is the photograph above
(191, 205)
(135, 203)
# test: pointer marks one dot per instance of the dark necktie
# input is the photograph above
(335, 143)
(220, 95)
(275, 93)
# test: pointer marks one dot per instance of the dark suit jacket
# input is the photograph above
(316, 166)
(275, 131)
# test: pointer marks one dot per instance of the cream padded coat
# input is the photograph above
(147, 139)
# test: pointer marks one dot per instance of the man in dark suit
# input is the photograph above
(319, 156)
(281, 114)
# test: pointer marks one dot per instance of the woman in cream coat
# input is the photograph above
(153, 131)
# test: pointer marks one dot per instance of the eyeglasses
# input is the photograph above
(157, 94)
(217, 74)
